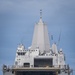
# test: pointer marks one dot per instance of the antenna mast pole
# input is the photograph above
(41, 14)
(59, 38)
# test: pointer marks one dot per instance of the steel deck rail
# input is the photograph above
(36, 69)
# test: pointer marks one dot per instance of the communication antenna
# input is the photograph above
(22, 39)
(59, 38)
(50, 38)
(40, 13)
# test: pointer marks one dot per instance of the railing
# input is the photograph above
(65, 68)
(18, 66)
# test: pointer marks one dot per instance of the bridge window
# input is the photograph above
(26, 64)
(21, 53)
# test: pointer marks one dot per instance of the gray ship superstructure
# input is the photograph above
(40, 58)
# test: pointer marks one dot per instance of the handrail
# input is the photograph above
(18, 66)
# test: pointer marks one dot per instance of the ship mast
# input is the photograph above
(40, 36)
(40, 13)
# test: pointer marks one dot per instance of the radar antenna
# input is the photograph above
(40, 13)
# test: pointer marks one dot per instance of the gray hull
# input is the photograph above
(10, 73)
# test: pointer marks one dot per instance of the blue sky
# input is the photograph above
(17, 20)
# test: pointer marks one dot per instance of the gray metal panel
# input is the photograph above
(8, 73)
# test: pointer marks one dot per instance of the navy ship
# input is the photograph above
(40, 58)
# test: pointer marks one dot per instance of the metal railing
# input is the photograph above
(18, 66)
(65, 68)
